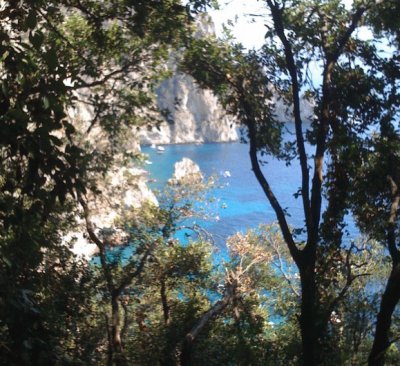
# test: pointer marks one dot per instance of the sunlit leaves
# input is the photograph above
(50, 49)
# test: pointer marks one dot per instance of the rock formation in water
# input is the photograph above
(122, 189)
(186, 171)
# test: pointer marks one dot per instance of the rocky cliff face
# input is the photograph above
(284, 113)
(195, 115)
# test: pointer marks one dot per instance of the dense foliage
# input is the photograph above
(314, 51)
(279, 295)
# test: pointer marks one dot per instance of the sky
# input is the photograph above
(249, 20)
(249, 30)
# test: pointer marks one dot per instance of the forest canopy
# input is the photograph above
(282, 295)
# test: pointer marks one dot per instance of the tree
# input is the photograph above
(258, 283)
(56, 56)
(321, 32)
(376, 207)
(147, 241)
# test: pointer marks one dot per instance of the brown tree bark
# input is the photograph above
(116, 338)
(187, 345)
(305, 258)
(308, 316)
(164, 301)
(390, 299)
(116, 356)
(391, 296)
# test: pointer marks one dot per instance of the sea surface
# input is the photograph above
(241, 203)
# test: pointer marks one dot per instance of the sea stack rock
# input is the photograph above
(186, 171)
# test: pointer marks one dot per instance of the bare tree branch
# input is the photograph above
(105, 78)
(127, 280)
(280, 266)
(100, 245)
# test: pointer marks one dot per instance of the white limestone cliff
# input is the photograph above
(195, 115)
(122, 189)
(122, 195)
(284, 113)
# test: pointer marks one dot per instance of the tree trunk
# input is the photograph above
(390, 298)
(118, 357)
(308, 314)
(164, 301)
(187, 345)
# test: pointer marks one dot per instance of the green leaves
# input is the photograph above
(31, 19)
(52, 50)
(51, 59)
(36, 39)
(46, 102)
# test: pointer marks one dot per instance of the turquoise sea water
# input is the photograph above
(242, 204)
